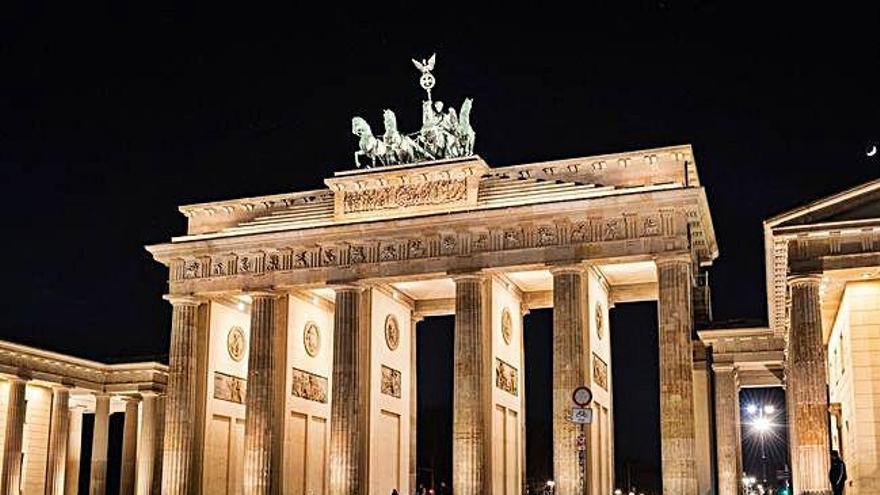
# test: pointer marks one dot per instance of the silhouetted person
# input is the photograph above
(837, 473)
(394, 491)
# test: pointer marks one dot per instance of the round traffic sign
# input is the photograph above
(582, 396)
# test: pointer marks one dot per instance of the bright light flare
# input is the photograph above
(762, 425)
(752, 409)
(769, 409)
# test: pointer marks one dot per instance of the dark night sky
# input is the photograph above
(112, 116)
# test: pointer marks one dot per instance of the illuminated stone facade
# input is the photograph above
(356, 264)
(43, 397)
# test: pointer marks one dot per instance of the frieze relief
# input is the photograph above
(461, 242)
(391, 382)
(229, 388)
(441, 192)
(309, 386)
(506, 377)
(600, 372)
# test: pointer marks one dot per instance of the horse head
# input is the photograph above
(360, 127)
(464, 116)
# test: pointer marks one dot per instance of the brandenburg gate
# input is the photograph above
(293, 341)
(293, 363)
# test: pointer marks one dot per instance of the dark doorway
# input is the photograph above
(435, 340)
(636, 382)
(114, 452)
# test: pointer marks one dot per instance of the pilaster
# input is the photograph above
(74, 449)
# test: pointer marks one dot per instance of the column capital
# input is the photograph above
(804, 279)
(268, 292)
(573, 268)
(22, 376)
(183, 299)
(724, 367)
(469, 275)
(675, 258)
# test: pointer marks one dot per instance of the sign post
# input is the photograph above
(582, 414)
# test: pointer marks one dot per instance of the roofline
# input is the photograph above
(822, 203)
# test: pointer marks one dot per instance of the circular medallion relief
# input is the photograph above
(312, 338)
(235, 343)
(600, 320)
(392, 332)
(506, 326)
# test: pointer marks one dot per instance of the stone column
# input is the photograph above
(129, 447)
(569, 372)
(74, 447)
(149, 447)
(98, 478)
(262, 433)
(808, 386)
(470, 402)
(10, 482)
(726, 429)
(179, 476)
(349, 418)
(677, 433)
(56, 461)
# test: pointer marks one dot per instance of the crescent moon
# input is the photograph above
(872, 151)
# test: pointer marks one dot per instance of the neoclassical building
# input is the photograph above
(43, 397)
(292, 363)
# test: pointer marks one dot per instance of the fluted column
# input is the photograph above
(349, 417)
(808, 388)
(129, 447)
(677, 432)
(569, 372)
(100, 436)
(470, 402)
(74, 448)
(179, 476)
(10, 481)
(56, 461)
(149, 447)
(262, 437)
(727, 429)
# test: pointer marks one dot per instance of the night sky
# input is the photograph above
(112, 116)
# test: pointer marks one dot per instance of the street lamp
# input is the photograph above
(762, 424)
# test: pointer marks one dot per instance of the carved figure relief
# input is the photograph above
(312, 338)
(229, 388)
(506, 377)
(392, 332)
(244, 264)
(273, 262)
(309, 386)
(357, 255)
(506, 326)
(390, 381)
(235, 343)
(600, 320)
(600, 372)
(406, 196)
(191, 269)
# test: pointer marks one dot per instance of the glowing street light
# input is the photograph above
(752, 409)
